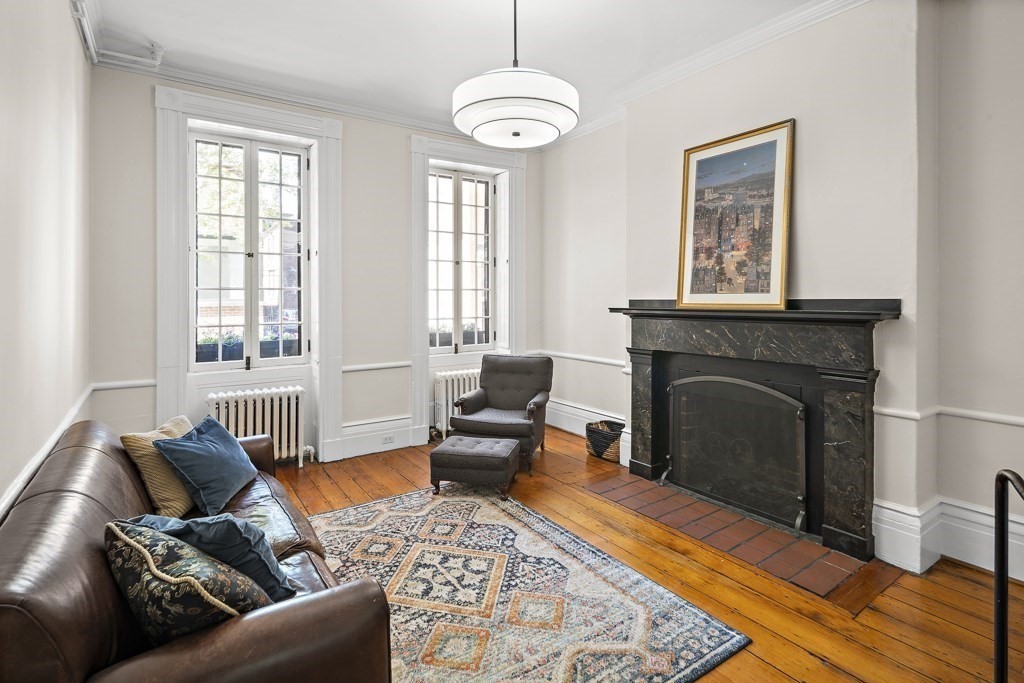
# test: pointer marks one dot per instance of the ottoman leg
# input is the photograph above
(437, 487)
(504, 491)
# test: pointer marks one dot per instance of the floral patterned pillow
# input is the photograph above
(172, 588)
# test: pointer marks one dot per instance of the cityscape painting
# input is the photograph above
(735, 221)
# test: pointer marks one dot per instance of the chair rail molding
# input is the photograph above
(423, 150)
(174, 108)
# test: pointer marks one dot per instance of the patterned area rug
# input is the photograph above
(487, 590)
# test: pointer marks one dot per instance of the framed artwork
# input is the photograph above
(735, 220)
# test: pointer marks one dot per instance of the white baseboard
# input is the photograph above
(374, 436)
(573, 418)
(914, 539)
(907, 537)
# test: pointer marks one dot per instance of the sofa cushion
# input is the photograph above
(210, 462)
(264, 502)
(308, 573)
(166, 490)
(173, 588)
(235, 542)
(494, 421)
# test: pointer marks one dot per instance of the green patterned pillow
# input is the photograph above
(172, 588)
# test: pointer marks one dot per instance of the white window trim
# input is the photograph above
(174, 108)
(457, 347)
(423, 151)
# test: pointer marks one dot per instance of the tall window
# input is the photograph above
(246, 255)
(461, 261)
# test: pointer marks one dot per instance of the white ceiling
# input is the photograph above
(406, 56)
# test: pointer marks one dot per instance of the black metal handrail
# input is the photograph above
(1002, 568)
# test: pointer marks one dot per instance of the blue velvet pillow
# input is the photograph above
(210, 463)
(234, 542)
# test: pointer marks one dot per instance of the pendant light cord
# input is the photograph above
(515, 35)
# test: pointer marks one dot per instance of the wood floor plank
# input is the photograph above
(930, 627)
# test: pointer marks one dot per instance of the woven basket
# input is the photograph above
(603, 439)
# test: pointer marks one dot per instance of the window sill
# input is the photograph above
(456, 360)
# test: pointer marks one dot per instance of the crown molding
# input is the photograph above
(608, 119)
(785, 24)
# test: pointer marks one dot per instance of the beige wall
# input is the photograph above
(981, 94)
(376, 251)
(44, 191)
(850, 83)
(584, 241)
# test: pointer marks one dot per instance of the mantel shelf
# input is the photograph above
(836, 311)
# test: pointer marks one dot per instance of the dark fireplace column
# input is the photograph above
(831, 339)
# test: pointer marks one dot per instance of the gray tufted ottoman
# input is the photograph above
(472, 460)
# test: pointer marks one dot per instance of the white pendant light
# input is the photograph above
(515, 108)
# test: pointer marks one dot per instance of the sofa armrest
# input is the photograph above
(472, 402)
(538, 401)
(260, 450)
(342, 631)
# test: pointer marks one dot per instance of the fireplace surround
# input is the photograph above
(820, 353)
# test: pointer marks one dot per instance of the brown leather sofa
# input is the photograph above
(63, 618)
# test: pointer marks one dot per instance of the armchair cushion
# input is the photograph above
(494, 422)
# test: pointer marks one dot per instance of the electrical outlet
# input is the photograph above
(388, 438)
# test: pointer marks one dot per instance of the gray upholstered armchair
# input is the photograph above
(511, 402)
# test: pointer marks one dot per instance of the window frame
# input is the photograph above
(251, 143)
(457, 347)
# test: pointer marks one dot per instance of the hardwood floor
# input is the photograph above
(937, 626)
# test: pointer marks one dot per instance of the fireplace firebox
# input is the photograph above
(740, 443)
(769, 411)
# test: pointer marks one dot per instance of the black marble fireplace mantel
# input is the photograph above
(832, 336)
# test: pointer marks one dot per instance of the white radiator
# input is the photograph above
(277, 412)
(448, 386)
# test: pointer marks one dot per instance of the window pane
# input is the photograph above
(232, 234)
(444, 333)
(232, 164)
(445, 251)
(290, 237)
(482, 276)
(482, 304)
(232, 307)
(207, 233)
(483, 327)
(444, 189)
(207, 195)
(232, 271)
(432, 188)
(290, 169)
(432, 216)
(432, 305)
(232, 199)
(207, 270)
(270, 271)
(469, 332)
(207, 339)
(468, 276)
(270, 201)
(270, 166)
(292, 309)
(481, 221)
(445, 305)
(270, 306)
(291, 340)
(468, 247)
(445, 275)
(468, 191)
(431, 276)
(482, 251)
(445, 217)
(432, 246)
(207, 158)
(481, 193)
(270, 341)
(207, 307)
(289, 202)
(270, 235)
(232, 346)
(468, 304)
(291, 271)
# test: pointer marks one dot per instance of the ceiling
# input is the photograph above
(405, 57)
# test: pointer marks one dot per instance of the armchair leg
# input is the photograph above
(542, 445)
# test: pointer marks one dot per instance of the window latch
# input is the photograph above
(248, 362)
(249, 254)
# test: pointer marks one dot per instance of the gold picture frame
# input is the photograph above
(733, 189)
